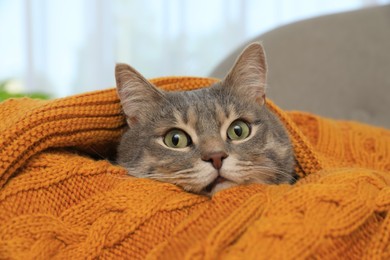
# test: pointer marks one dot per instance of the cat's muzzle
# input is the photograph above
(214, 183)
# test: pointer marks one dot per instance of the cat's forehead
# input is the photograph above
(209, 107)
(204, 101)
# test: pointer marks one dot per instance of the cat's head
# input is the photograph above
(208, 139)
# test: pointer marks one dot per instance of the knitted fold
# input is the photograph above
(62, 197)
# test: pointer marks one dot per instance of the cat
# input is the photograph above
(209, 139)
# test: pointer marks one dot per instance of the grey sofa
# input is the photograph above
(336, 65)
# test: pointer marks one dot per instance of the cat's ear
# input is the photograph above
(247, 78)
(138, 96)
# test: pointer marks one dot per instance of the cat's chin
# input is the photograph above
(217, 185)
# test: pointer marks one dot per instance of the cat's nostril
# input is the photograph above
(215, 159)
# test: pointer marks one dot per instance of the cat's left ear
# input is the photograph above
(247, 78)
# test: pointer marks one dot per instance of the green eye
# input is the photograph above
(238, 130)
(177, 139)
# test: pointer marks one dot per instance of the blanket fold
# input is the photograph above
(61, 196)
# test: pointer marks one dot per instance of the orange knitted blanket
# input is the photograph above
(60, 197)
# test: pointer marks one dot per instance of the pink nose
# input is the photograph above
(215, 159)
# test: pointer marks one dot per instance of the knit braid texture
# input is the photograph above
(62, 196)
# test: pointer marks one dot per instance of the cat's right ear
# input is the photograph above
(247, 78)
(137, 95)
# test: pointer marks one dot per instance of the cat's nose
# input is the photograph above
(215, 159)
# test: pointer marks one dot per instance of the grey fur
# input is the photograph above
(266, 156)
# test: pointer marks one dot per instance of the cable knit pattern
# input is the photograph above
(62, 198)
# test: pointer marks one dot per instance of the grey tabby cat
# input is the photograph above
(208, 139)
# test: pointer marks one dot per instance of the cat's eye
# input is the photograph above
(177, 138)
(238, 130)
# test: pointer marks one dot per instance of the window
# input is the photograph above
(66, 47)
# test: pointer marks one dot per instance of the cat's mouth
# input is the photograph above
(214, 183)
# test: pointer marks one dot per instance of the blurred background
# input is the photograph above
(66, 47)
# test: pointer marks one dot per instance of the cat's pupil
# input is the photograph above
(175, 139)
(237, 130)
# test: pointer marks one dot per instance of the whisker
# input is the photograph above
(184, 171)
(270, 172)
(161, 177)
(267, 171)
